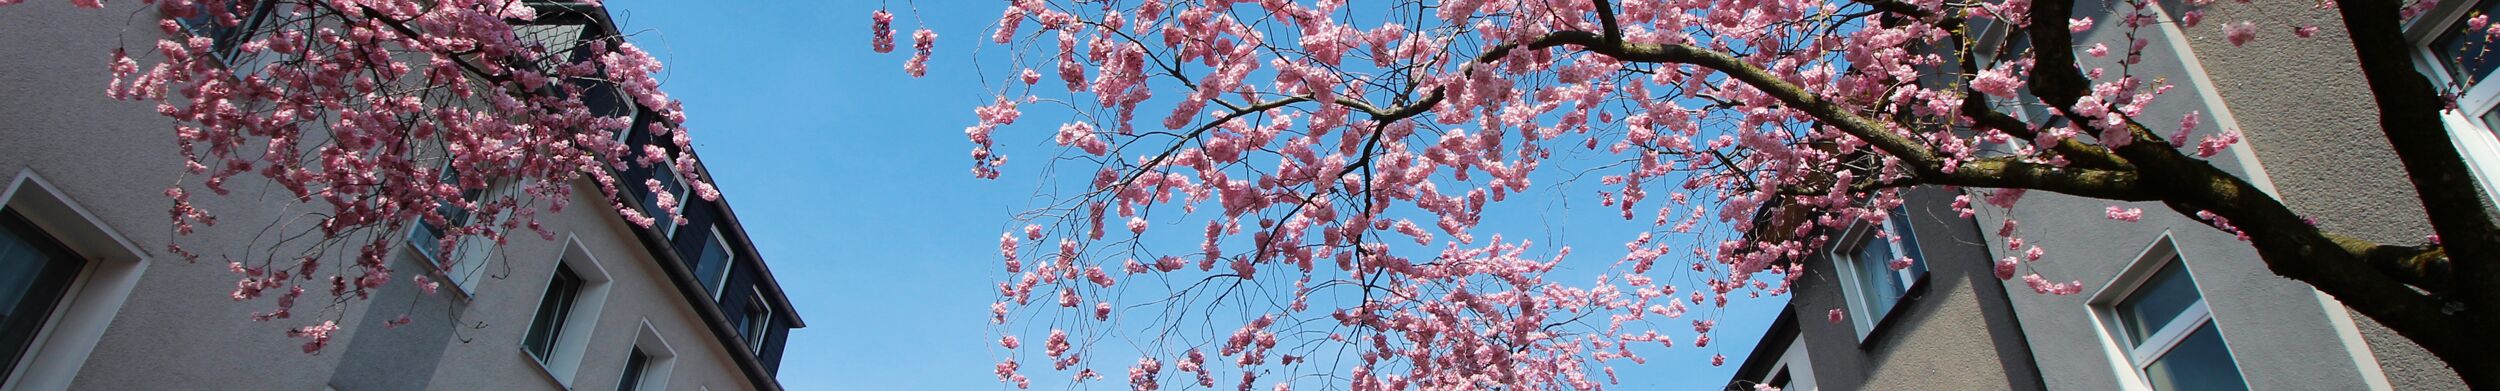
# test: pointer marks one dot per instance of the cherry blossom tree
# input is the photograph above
(1333, 162)
(382, 116)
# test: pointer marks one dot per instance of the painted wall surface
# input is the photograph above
(477, 342)
(2261, 316)
(2308, 115)
(179, 329)
(1957, 334)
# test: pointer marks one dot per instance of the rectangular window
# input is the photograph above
(467, 256)
(2459, 58)
(713, 265)
(2169, 335)
(757, 322)
(676, 187)
(636, 364)
(553, 311)
(227, 39)
(35, 272)
(1879, 263)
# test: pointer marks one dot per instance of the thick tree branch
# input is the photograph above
(1606, 20)
(2289, 244)
(2409, 115)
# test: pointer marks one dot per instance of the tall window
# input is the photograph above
(713, 265)
(554, 309)
(2460, 58)
(757, 322)
(227, 39)
(35, 271)
(1874, 274)
(636, 365)
(669, 182)
(648, 362)
(2169, 334)
(467, 258)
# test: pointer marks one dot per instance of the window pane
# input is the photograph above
(2161, 299)
(2467, 54)
(752, 328)
(1909, 241)
(634, 363)
(1878, 284)
(2201, 362)
(2491, 119)
(552, 311)
(35, 271)
(667, 175)
(713, 265)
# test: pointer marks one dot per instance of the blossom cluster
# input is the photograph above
(384, 116)
(1356, 158)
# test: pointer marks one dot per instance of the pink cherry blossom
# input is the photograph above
(2239, 33)
(378, 117)
(1360, 158)
(882, 30)
(2127, 214)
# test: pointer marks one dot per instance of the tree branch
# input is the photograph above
(2409, 115)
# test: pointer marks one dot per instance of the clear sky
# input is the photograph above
(854, 181)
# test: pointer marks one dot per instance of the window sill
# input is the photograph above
(1916, 292)
(435, 272)
(547, 373)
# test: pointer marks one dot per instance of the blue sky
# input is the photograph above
(854, 181)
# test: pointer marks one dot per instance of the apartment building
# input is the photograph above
(90, 299)
(2168, 303)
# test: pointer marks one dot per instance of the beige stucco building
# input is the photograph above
(606, 305)
(2168, 303)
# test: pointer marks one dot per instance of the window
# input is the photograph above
(2160, 331)
(35, 272)
(756, 324)
(1878, 264)
(554, 310)
(227, 39)
(647, 364)
(2169, 336)
(468, 255)
(713, 265)
(2459, 59)
(676, 187)
(1795, 372)
(96, 290)
(561, 328)
(636, 363)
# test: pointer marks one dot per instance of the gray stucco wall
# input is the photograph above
(179, 330)
(1955, 332)
(2308, 114)
(2282, 100)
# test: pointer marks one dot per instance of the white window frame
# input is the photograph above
(2130, 358)
(2473, 138)
(1845, 261)
(1799, 364)
(668, 222)
(662, 358)
(472, 252)
(205, 25)
(763, 326)
(69, 336)
(565, 358)
(729, 261)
